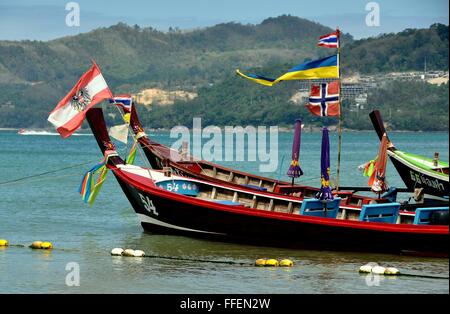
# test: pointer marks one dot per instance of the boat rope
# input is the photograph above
(44, 173)
(42, 179)
(422, 276)
(198, 260)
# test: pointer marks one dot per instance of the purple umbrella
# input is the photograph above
(325, 194)
(294, 170)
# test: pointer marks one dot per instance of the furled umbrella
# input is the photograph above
(377, 180)
(294, 170)
(325, 194)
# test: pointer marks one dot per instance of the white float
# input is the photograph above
(128, 252)
(117, 251)
(139, 253)
(378, 270)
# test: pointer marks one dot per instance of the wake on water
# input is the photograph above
(46, 133)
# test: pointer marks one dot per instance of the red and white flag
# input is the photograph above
(70, 112)
(324, 100)
(330, 40)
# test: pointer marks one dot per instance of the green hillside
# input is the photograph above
(35, 75)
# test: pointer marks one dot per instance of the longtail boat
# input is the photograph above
(417, 172)
(169, 203)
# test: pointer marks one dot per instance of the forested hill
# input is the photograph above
(133, 55)
(404, 51)
(34, 75)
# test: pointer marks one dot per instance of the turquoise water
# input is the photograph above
(49, 208)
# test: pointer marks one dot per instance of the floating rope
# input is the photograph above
(198, 260)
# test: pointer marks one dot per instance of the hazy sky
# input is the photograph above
(45, 19)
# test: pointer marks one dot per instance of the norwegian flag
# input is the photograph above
(330, 40)
(123, 101)
(90, 90)
(324, 100)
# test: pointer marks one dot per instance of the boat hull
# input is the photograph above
(168, 213)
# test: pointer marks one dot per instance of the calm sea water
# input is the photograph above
(49, 208)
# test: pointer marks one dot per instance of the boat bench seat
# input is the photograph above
(423, 215)
(316, 208)
(387, 213)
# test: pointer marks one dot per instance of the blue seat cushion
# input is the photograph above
(254, 187)
(316, 208)
(387, 213)
(423, 215)
(225, 202)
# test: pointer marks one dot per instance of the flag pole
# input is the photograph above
(340, 114)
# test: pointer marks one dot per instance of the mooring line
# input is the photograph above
(198, 260)
(423, 276)
(45, 173)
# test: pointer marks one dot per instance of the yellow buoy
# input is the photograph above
(286, 263)
(391, 271)
(260, 262)
(46, 245)
(271, 263)
(36, 245)
(4, 242)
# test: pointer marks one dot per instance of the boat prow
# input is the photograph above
(417, 172)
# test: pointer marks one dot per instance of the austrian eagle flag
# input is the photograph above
(324, 100)
(70, 112)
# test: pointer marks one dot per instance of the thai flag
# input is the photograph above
(123, 101)
(330, 40)
(324, 100)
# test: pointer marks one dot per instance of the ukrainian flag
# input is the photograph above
(326, 68)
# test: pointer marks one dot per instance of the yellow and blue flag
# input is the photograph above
(326, 68)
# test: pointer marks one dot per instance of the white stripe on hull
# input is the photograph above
(153, 221)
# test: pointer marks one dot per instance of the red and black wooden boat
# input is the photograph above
(205, 209)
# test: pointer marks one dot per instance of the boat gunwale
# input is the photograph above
(432, 173)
